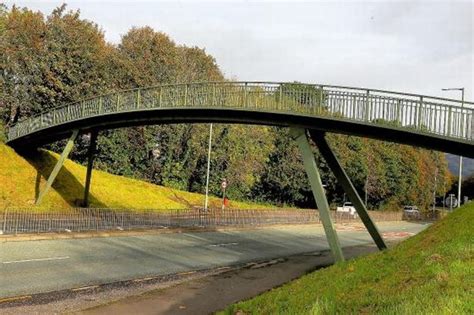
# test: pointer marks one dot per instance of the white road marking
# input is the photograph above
(35, 259)
(85, 288)
(223, 244)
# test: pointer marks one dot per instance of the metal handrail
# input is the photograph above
(448, 117)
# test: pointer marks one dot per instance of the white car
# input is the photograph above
(347, 207)
(411, 212)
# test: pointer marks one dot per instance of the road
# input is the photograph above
(29, 267)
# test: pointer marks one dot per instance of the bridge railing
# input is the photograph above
(446, 117)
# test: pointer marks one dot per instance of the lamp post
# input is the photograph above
(460, 157)
(208, 168)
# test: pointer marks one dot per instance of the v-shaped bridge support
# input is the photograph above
(60, 163)
(90, 163)
(319, 194)
(349, 189)
(58, 166)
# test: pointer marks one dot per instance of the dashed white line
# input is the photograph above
(35, 259)
(223, 244)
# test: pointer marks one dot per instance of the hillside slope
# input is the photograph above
(21, 179)
(430, 273)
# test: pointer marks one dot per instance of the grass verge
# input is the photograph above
(21, 179)
(430, 273)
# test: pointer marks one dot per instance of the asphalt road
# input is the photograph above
(28, 267)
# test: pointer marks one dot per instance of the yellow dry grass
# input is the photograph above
(21, 179)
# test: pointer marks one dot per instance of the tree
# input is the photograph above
(61, 58)
(23, 47)
(51, 61)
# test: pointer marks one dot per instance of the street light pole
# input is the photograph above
(208, 168)
(460, 157)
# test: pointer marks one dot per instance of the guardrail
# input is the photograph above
(17, 221)
(440, 116)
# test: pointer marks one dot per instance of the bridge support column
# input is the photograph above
(342, 178)
(58, 166)
(90, 163)
(318, 192)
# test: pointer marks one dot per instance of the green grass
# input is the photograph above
(430, 273)
(22, 178)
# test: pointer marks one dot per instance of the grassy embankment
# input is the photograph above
(430, 273)
(21, 179)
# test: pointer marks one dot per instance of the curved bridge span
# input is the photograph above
(309, 110)
(430, 122)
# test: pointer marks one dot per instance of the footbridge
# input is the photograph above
(310, 110)
(431, 122)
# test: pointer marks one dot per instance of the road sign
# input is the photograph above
(451, 201)
(223, 186)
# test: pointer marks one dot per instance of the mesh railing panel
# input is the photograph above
(444, 117)
(17, 221)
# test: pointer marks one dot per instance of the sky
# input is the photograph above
(409, 46)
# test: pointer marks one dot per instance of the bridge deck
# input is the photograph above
(437, 123)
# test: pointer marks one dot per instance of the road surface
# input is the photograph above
(28, 267)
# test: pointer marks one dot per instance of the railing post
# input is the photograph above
(160, 96)
(138, 98)
(5, 221)
(354, 107)
(245, 95)
(118, 102)
(367, 105)
(398, 112)
(449, 120)
(16, 222)
(185, 94)
(280, 100)
(83, 108)
(321, 99)
(420, 111)
(100, 105)
(213, 100)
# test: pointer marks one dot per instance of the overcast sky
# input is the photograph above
(412, 46)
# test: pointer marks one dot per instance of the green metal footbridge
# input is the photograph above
(310, 110)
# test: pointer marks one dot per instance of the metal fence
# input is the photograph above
(17, 221)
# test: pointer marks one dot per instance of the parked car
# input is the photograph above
(411, 212)
(348, 208)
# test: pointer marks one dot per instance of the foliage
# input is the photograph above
(468, 187)
(50, 60)
(284, 179)
(430, 273)
(392, 174)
